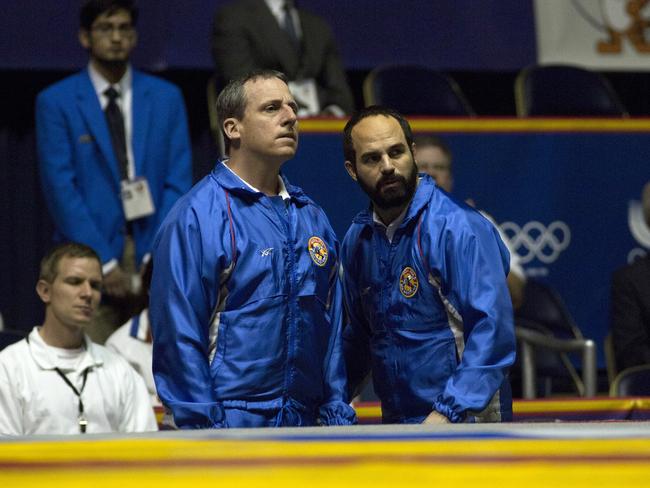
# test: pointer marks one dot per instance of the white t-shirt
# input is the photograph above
(34, 399)
(132, 341)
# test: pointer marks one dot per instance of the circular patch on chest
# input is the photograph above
(317, 250)
(408, 282)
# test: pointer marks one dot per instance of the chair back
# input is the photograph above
(544, 307)
(562, 90)
(553, 334)
(634, 381)
(610, 359)
(415, 90)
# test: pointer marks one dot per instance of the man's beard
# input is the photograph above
(398, 195)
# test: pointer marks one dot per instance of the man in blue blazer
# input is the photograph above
(113, 150)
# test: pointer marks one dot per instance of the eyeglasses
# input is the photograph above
(106, 29)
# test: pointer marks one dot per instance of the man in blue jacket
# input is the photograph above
(246, 304)
(424, 281)
(114, 152)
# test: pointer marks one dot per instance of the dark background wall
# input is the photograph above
(458, 35)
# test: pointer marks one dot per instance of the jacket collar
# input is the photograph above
(100, 84)
(46, 360)
(231, 182)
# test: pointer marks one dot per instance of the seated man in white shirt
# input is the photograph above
(57, 381)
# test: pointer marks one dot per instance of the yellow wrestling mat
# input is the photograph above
(509, 455)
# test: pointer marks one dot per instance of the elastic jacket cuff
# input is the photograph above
(199, 415)
(336, 413)
(443, 408)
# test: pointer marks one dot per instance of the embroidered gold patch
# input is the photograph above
(317, 250)
(408, 282)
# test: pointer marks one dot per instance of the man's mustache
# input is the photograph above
(386, 180)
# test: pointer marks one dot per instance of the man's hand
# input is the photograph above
(117, 283)
(436, 418)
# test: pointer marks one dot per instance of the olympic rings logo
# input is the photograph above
(535, 240)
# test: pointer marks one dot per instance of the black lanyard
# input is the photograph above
(83, 423)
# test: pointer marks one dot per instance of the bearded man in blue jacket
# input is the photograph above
(246, 305)
(424, 281)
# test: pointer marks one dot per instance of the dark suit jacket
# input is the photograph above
(79, 171)
(630, 314)
(246, 36)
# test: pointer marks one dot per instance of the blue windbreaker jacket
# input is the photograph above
(430, 313)
(246, 310)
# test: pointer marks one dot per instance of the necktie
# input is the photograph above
(116, 128)
(289, 26)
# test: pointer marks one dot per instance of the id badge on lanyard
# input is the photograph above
(136, 198)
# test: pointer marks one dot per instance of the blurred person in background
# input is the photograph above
(275, 34)
(114, 155)
(630, 305)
